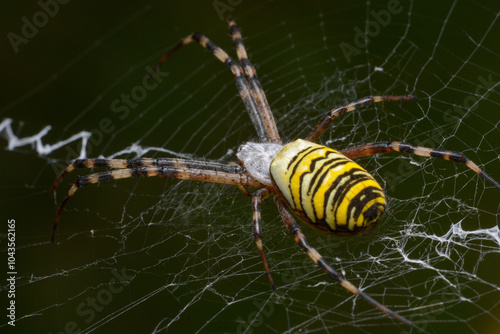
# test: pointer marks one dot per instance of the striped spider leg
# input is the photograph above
(256, 104)
(250, 90)
(389, 146)
(240, 80)
(300, 239)
(332, 114)
(386, 147)
(147, 167)
(267, 117)
(258, 94)
(257, 198)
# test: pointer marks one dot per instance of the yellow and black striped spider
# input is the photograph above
(323, 187)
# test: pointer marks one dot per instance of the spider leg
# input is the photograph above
(257, 198)
(171, 168)
(389, 146)
(328, 118)
(244, 89)
(256, 88)
(301, 240)
(142, 162)
(90, 163)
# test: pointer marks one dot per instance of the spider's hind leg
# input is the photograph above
(300, 239)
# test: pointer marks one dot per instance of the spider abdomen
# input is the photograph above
(327, 189)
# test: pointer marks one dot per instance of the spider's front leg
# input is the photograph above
(300, 239)
(258, 94)
(258, 114)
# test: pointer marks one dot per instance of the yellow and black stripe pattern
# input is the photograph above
(327, 189)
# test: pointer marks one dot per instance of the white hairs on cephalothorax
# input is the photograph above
(257, 157)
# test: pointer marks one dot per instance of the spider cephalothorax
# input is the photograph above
(322, 186)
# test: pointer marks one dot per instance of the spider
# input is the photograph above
(321, 186)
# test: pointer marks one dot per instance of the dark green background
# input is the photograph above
(188, 247)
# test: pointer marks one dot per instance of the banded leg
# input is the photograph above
(256, 88)
(171, 168)
(301, 240)
(244, 89)
(389, 146)
(257, 198)
(330, 116)
(143, 162)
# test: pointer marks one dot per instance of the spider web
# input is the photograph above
(155, 255)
